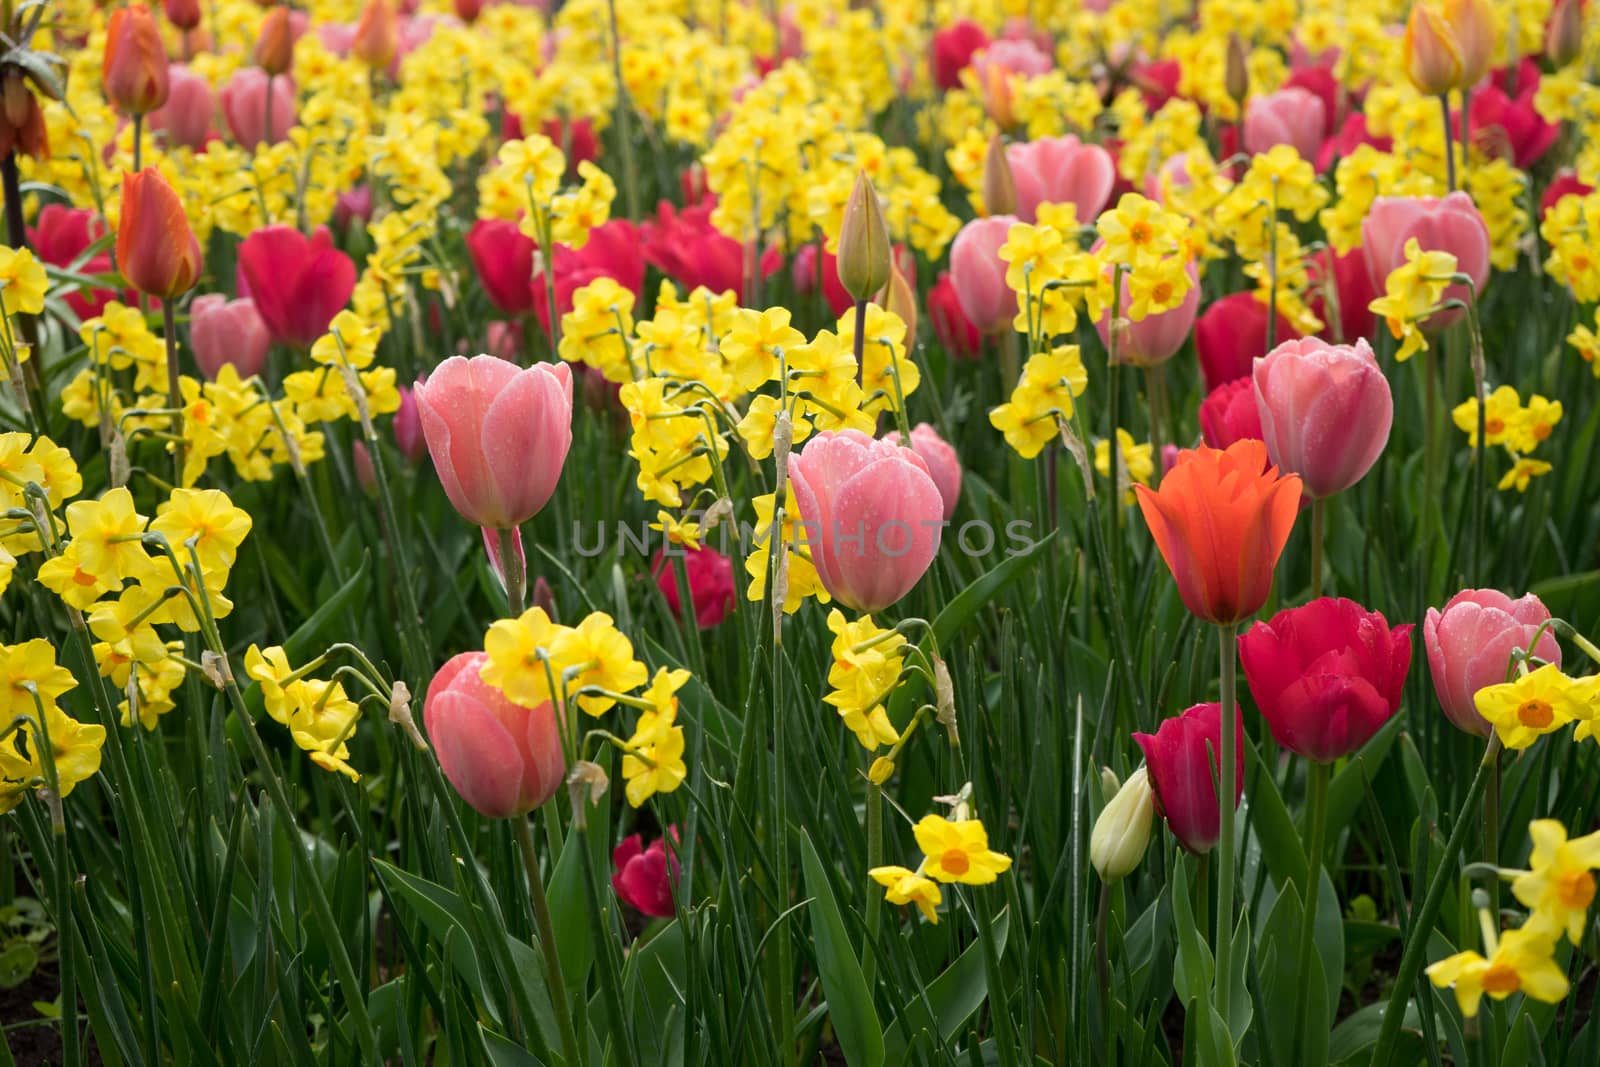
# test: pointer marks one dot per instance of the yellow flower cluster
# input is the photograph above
(526, 184)
(1540, 702)
(1572, 230)
(40, 745)
(1519, 429)
(1041, 404)
(319, 714)
(1413, 292)
(867, 661)
(952, 851)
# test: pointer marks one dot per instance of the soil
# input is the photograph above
(40, 1044)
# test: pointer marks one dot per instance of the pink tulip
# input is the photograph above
(1155, 338)
(225, 331)
(944, 466)
(498, 435)
(1451, 224)
(1294, 116)
(1325, 412)
(186, 116)
(872, 516)
(1469, 647)
(503, 759)
(1173, 173)
(994, 67)
(244, 106)
(1061, 170)
(980, 274)
(953, 47)
(408, 427)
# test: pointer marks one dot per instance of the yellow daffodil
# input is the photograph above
(958, 851)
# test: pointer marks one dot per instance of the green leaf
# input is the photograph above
(1281, 850)
(1240, 1006)
(1522, 1045)
(1191, 978)
(439, 909)
(311, 634)
(1348, 787)
(855, 1021)
(503, 1052)
(1359, 1032)
(954, 996)
(1205, 1036)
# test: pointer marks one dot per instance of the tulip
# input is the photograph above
(223, 331)
(805, 274)
(1228, 414)
(186, 116)
(863, 242)
(1236, 70)
(133, 67)
(951, 326)
(22, 128)
(1156, 338)
(710, 577)
(641, 877)
(245, 107)
(1326, 411)
(1510, 127)
(1352, 292)
(1293, 116)
(685, 247)
(1221, 519)
(1061, 170)
(612, 251)
(299, 283)
(469, 10)
(1470, 643)
(377, 36)
(899, 298)
(1431, 52)
(352, 206)
(1326, 675)
(998, 190)
(498, 435)
(1473, 25)
(1319, 81)
(1451, 224)
(1564, 33)
(59, 237)
(1352, 134)
(996, 65)
(872, 516)
(184, 14)
(274, 52)
(953, 47)
(408, 436)
(1565, 183)
(944, 466)
(980, 274)
(1182, 760)
(1231, 334)
(156, 249)
(502, 256)
(1122, 831)
(504, 760)
(366, 475)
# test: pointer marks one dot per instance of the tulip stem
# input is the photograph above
(138, 141)
(1449, 143)
(1416, 952)
(860, 345)
(869, 961)
(266, 112)
(1316, 834)
(1227, 775)
(570, 1049)
(1318, 535)
(169, 330)
(511, 564)
(630, 175)
(605, 939)
(1155, 379)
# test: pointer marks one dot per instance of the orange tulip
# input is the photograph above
(133, 67)
(156, 250)
(377, 35)
(275, 45)
(1431, 51)
(1220, 519)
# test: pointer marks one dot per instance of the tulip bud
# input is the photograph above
(184, 14)
(469, 10)
(1109, 784)
(999, 184)
(156, 249)
(1472, 23)
(1432, 54)
(1122, 832)
(21, 122)
(863, 243)
(275, 45)
(133, 67)
(1565, 41)
(1236, 72)
(900, 298)
(377, 36)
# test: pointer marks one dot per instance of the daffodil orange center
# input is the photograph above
(955, 861)
(1535, 714)
(1501, 978)
(1139, 233)
(1494, 425)
(1575, 890)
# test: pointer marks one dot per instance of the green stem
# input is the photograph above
(600, 929)
(1227, 775)
(1000, 1019)
(511, 563)
(570, 1049)
(1493, 1022)
(861, 342)
(869, 962)
(1449, 142)
(1318, 535)
(413, 641)
(1416, 951)
(1155, 379)
(1316, 833)
(630, 175)
(169, 329)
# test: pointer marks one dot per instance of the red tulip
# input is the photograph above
(804, 273)
(1228, 414)
(184, 14)
(133, 68)
(640, 875)
(502, 256)
(953, 47)
(60, 236)
(1221, 519)
(955, 331)
(1231, 334)
(685, 247)
(503, 759)
(22, 128)
(1326, 411)
(298, 283)
(1451, 224)
(1510, 127)
(1352, 291)
(711, 588)
(1470, 644)
(1352, 134)
(244, 107)
(1326, 675)
(1318, 79)
(223, 331)
(1565, 183)
(612, 251)
(156, 248)
(1183, 757)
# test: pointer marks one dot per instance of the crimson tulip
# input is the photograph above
(1183, 756)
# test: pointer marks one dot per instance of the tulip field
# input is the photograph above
(616, 533)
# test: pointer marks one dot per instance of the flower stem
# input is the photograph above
(169, 330)
(630, 173)
(605, 944)
(869, 961)
(1316, 834)
(1416, 952)
(1227, 775)
(1318, 535)
(511, 563)
(1449, 142)
(570, 1049)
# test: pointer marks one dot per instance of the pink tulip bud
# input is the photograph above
(1293, 116)
(503, 759)
(980, 274)
(186, 116)
(224, 331)
(1470, 644)
(872, 516)
(361, 459)
(1325, 412)
(1451, 224)
(1061, 170)
(408, 427)
(944, 466)
(498, 435)
(244, 106)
